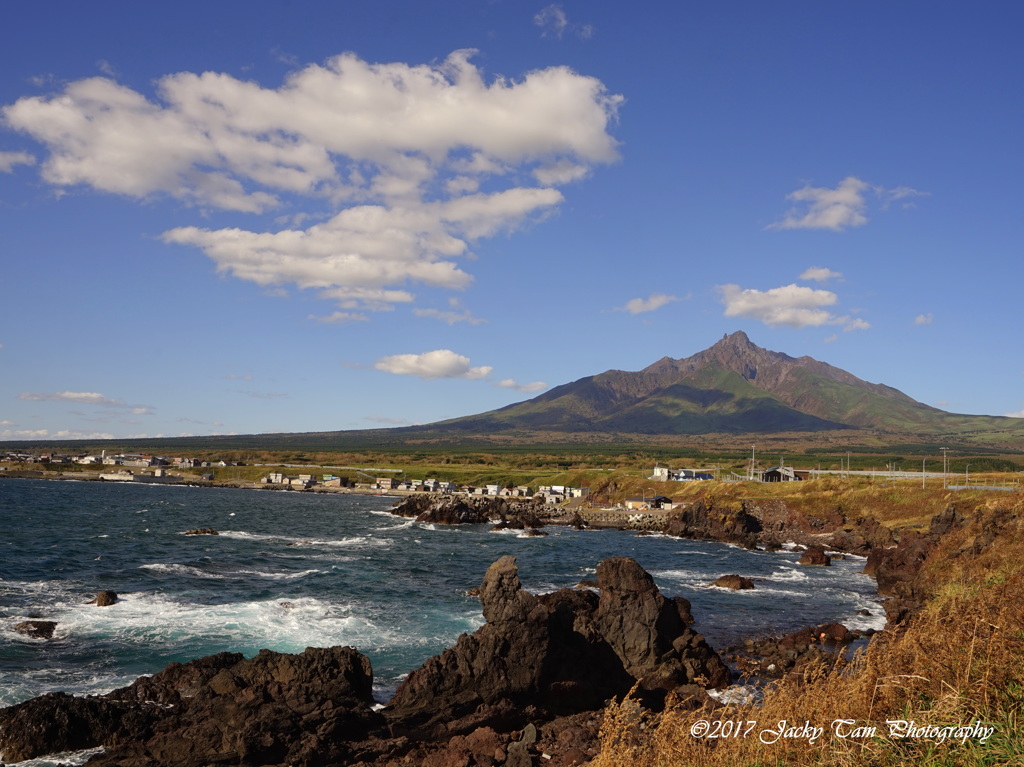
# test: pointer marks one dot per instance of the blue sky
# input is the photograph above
(228, 218)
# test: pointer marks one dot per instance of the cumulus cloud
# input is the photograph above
(440, 363)
(651, 303)
(840, 208)
(924, 319)
(820, 274)
(85, 398)
(396, 153)
(511, 383)
(1018, 414)
(794, 306)
(9, 159)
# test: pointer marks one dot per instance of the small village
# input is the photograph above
(152, 469)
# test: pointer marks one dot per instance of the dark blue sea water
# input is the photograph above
(291, 570)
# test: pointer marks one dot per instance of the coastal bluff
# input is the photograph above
(539, 661)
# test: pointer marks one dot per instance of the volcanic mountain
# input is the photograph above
(733, 387)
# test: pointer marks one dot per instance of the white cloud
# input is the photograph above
(651, 303)
(924, 319)
(511, 383)
(398, 152)
(853, 324)
(820, 274)
(840, 208)
(85, 398)
(793, 305)
(1018, 414)
(834, 209)
(455, 315)
(9, 159)
(337, 318)
(889, 196)
(553, 22)
(45, 434)
(440, 363)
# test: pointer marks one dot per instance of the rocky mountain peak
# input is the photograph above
(736, 352)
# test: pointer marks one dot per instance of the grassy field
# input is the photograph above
(947, 691)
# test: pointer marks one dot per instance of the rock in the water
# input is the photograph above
(104, 599)
(36, 629)
(815, 555)
(202, 531)
(734, 582)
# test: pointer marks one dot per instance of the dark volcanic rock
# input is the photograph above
(104, 599)
(734, 582)
(706, 521)
(775, 656)
(830, 527)
(445, 509)
(537, 662)
(36, 629)
(303, 709)
(815, 555)
(650, 633)
(554, 654)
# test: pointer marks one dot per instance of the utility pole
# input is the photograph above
(923, 460)
(945, 464)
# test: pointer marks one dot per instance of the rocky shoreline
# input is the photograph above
(526, 688)
(533, 676)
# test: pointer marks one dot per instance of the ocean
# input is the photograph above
(291, 570)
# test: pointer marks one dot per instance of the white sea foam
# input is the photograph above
(788, 574)
(741, 694)
(197, 572)
(287, 625)
(65, 757)
(288, 540)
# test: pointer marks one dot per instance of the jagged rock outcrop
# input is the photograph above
(779, 524)
(704, 520)
(896, 569)
(555, 653)
(104, 599)
(444, 509)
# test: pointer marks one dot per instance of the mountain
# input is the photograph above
(733, 387)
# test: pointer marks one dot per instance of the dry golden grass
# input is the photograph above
(959, 661)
